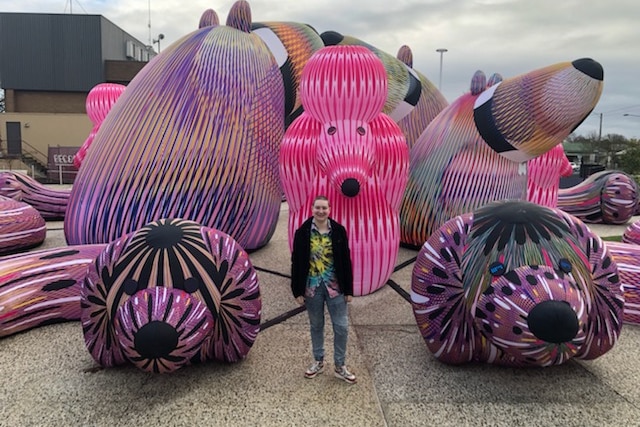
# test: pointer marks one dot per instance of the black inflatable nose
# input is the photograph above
(350, 187)
(553, 321)
(155, 340)
(590, 67)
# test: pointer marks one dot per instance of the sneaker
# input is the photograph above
(343, 373)
(315, 369)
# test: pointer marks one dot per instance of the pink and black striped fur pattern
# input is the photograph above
(607, 197)
(43, 287)
(21, 226)
(170, 294)
(49, 202)
(516, 284)
(474, 151)
(627, 256)
(543, 176)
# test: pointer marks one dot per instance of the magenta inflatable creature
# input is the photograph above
(627, 256)
(632, 234)
(474, 151)
(43, 287)
(49, 202)
(543, 176)
(195, 135)
(345, 148)
(99, 101)
(516, 284)
(607, 197)
(21, 226)
(168, 295)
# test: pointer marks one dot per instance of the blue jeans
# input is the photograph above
(337, 307)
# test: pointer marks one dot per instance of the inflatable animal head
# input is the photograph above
(345, 148)
(516, 284)
(472, 153)
(170, 294)
(412, 101)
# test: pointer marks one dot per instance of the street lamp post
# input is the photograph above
(630, 115)
(160, 37)
(441, 51)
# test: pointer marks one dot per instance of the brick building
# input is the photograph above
(48, 65)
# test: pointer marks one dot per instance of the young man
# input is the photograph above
(321, 273)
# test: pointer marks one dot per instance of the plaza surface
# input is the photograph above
(47, 377)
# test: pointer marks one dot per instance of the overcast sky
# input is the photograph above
(510, 37)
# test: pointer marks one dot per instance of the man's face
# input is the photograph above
(321, 210)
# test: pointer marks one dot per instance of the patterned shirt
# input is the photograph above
(321, 268)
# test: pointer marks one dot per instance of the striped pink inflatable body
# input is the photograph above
(99, 101)
(343, 147)
(21, 226)
(632, 234)
(42, 287)
(49, 202)
(627, 256)
(543, 176)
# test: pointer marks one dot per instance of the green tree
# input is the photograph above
(629, 160)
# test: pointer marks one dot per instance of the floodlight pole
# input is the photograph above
(441, 51)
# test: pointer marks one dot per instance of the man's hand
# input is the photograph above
(300, 300)
(348, 298)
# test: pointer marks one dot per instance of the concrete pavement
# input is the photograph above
(49, 379)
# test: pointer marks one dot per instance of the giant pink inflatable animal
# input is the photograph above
(343, 147)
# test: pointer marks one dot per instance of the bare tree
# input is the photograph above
(2, 101)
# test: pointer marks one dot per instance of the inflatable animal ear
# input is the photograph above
(516, 284)
(412, 100)
(472, 153)
(169, 294)
(195, 135)
(608, 197)
(209, 18)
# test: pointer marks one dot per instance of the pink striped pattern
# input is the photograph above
(98, 104)
(343, 135)
(632, 234)
(50, 203)
(543, 176)
(42, 287)
(607, 197)
(627, 256)
(21, 226)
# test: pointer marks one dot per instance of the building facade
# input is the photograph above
(48, 65)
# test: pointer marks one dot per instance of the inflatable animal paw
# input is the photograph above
(345, 148)
(543, 176)
(21, 226)
(608, 197)
(516, 284)
(474, 151)
(170, 294)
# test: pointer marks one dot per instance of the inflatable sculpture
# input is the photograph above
(196, 136)
(632, 233)
(627, 256)
(472, 153)
(42, 287)
(99, 101)
(21, 226)
(345, 148)
(412, 100)
(516, 284)
(608, 197)
(170, 294)
(49, 202)
(543, 176)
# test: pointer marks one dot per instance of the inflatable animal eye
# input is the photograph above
(565, 265)
(331, 130)
(191, 285)
(130, 287)
(496, 269)
(361, 131)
